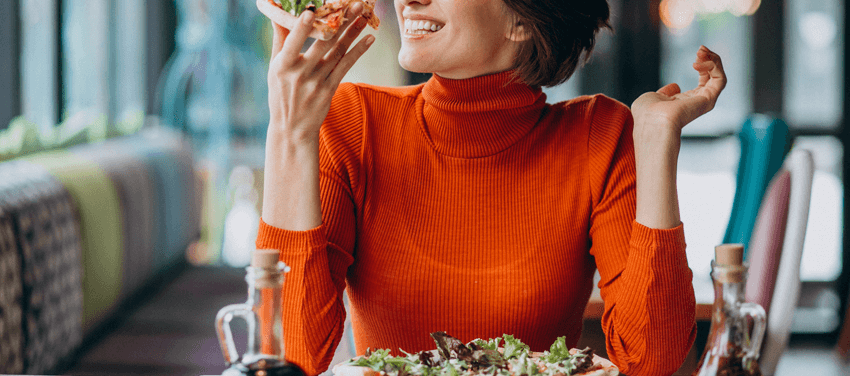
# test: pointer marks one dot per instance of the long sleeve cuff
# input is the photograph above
(290, 242)
(660, 249)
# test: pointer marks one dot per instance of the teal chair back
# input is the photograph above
(764, 143)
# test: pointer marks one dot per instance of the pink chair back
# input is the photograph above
(800, 164)
(765, 248)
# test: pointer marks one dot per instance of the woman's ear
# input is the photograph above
(519, 32)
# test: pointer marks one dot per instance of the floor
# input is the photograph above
(171, 332)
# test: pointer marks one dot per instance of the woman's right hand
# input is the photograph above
(301, 85)
(300, 90)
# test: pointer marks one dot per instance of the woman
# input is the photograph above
(469, 205)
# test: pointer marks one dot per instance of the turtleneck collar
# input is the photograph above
(479, 116)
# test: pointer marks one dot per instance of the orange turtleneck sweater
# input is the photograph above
(475, 208)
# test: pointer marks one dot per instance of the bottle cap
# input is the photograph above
(729, 254)
(265, 258)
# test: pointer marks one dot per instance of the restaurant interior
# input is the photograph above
(132, 138)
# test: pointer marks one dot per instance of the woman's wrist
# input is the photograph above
(280, 135)
(291, 182)
(656, 161)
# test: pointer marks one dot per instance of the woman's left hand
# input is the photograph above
(659, 118)
(672, 109)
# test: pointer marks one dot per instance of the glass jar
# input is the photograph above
(264, 353)
(737, 328)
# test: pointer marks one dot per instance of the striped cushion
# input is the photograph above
(134, 186)
(174, 178)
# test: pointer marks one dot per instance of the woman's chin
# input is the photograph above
(414, 65)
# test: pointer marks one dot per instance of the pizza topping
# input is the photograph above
(296, 7)
(330, 14)
(582, 363)
(427, 358)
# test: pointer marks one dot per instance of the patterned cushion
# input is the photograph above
(47, 231)
(11, 300)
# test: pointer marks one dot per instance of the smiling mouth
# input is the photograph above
(421, 27)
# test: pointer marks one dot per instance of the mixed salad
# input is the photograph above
(501, 356)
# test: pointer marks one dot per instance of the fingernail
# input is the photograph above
(361, 23)
(307, 18)
(370, 39)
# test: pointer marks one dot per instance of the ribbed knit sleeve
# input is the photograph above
(313, 309)
(645, 280)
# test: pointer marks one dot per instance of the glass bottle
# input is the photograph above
(264, 353)
(737, 328)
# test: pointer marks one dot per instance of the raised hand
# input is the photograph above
(670, 107)
(301, 85)
(658, 121)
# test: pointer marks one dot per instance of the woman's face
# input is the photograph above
(464, 38)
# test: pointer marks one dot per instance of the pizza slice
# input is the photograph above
(330, 14)
(501, 356)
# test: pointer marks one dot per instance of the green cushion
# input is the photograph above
(100, 225)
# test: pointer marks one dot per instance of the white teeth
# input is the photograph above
(420, 27)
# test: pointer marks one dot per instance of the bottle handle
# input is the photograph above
(756, 312)
(225, 335)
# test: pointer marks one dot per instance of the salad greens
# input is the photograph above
(296, 7)
(514, 347)
(454, 358)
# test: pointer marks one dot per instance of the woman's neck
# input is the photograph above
(479, 116)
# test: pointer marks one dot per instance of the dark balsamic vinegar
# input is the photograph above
(284, 370)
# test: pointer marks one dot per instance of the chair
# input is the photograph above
(764, 141)
(800, 167)
(767, 240)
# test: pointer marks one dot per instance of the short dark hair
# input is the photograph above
(560, 32)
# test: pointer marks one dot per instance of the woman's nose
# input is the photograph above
(413, 2)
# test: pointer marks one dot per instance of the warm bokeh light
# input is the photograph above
(753, 7)
(679, 14)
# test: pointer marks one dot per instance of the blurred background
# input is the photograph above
(145, 122)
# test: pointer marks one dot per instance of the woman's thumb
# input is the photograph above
(669, 90)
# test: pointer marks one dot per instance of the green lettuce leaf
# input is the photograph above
(557, 352)
(492, 344)
(373, 359)
(514, 347)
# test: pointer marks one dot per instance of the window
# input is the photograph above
(706, 183)
(822, 248)
(85, 63)
(9, 72)
(729, 36)
(78, 67)
(813, 61)
(127, 78)
(40, 62)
